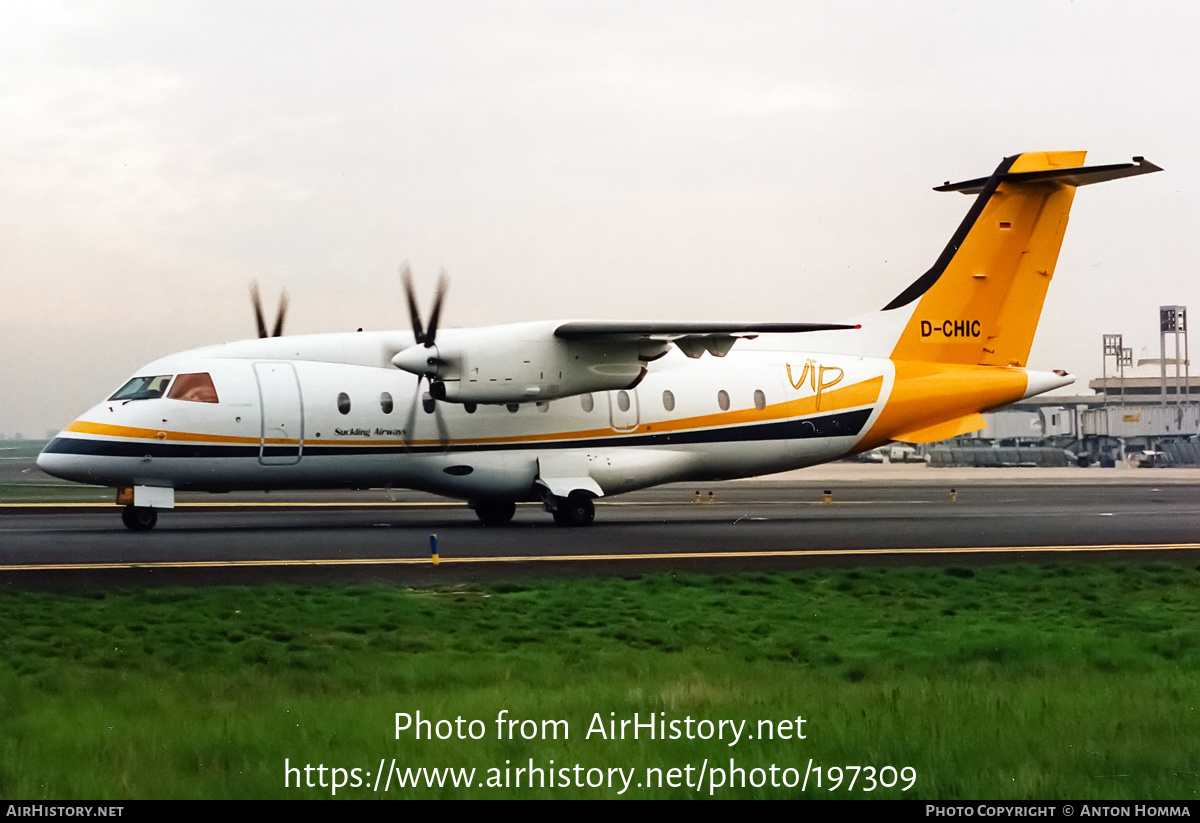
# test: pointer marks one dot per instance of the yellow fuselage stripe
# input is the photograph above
(858, 394)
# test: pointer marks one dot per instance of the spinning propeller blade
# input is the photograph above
(439, 295)
(414, 313)
(428, 338)
(256, 299)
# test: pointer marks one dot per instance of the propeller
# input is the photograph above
(258, 312)
(426, 336)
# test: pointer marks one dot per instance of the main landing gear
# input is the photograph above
(576, 509)
(494, 512)
(139, 518)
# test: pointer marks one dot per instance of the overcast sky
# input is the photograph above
(673, 160)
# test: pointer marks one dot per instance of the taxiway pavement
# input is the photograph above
(877, 515)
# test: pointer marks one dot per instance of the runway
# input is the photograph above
(875, 517)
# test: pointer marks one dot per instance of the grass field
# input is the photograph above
(996, 682)
(20, 486)
(54, 493)
(25, 451)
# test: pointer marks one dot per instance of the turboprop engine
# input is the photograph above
(524, 362)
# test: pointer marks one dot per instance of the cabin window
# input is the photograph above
(668, 401)
(587, 401)
(343, 403)
(143, 388)
(723, 400)
(196, 388)
(623, 400)
(385, 403)
(760, 400)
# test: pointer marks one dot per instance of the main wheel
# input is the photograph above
(139, 518)
(494, 512)
(576, 509)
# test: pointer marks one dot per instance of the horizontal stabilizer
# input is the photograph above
(1079, 176)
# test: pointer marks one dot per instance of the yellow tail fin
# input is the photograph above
(973, 315)
(981, 301)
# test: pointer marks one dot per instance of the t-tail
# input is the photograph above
(966, 326)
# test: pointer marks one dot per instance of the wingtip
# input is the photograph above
(1146, 164)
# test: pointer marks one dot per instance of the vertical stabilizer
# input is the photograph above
(980, 302)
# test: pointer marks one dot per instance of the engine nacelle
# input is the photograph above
(524, 363)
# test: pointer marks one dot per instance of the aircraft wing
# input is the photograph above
(543, 361)
(693, 339)
(602, 330)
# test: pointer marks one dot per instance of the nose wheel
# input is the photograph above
(139, 518)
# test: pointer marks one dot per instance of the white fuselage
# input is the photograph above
(331, 411)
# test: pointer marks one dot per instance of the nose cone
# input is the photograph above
(51, 462)
(59, 460)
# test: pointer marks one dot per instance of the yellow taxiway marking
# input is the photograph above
(560, 558)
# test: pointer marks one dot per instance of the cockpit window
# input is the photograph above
(197, 388)
(143, 388)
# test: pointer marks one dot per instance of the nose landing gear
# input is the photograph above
(139, 518)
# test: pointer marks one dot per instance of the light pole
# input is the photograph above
(1172, 320)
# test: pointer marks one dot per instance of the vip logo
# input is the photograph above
(951, 328)
(815, 375)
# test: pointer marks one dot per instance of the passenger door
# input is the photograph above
(282, 414)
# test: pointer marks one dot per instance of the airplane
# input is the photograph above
(564, 412)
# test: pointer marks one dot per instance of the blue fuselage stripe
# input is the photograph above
(841, 424)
